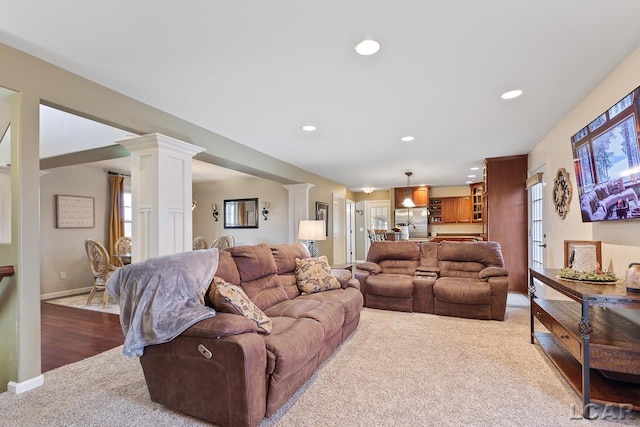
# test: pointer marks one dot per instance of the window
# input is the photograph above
(128, 211)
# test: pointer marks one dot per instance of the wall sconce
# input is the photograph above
(360, 211)
(265, 210)
(194, 204)
(214, 209)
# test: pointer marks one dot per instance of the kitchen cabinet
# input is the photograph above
(456, 210)
(477, 203)
(419, 195)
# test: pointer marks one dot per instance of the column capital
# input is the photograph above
(158, 141)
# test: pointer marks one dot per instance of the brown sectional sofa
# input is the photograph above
(224, 371)
(464, 279)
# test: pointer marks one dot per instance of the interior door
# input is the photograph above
(377, 217)
(339, 229)
(350, 231)
(537, 235)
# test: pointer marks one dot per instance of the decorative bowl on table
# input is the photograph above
(587, 276)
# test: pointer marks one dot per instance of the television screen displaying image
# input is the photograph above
(606, 158)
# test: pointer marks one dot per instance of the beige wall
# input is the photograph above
(62, 249)
(620, 244)
(273, 230)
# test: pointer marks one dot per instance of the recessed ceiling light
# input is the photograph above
(511, 94)
(367, 47)
(309, 128)
(471, 176)
(475, 168)
(469, 182)
(407, 138)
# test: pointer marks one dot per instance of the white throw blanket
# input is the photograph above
(161, 297)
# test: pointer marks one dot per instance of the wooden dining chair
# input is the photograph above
(223, 242)
(122, 246)
(200, 243)
(101, 268)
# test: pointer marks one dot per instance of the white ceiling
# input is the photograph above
(256, 71)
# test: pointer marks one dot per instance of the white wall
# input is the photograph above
(272, 231)
(62, 249)
(620, 244)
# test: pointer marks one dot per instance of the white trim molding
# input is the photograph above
(18, 388)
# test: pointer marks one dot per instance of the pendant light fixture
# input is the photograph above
(408, 202)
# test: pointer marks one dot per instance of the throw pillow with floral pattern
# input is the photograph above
(229, 298)
(314, 275)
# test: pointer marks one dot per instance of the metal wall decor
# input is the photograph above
(562, 192)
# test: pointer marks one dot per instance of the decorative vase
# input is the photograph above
(633, 277)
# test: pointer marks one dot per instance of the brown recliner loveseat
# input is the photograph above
(464, 279)
(224, 369)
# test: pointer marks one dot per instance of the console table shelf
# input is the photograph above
(596, 350)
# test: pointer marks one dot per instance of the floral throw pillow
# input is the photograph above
(314, 275)
(228, 298)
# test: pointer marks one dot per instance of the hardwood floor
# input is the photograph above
(72, 334)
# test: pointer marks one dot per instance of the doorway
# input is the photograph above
(537, 234)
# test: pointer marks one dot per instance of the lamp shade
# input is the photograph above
(311, 230)
(408, 203)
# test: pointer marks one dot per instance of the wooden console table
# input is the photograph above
(597, 350)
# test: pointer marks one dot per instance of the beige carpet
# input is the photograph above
(398, 369)
(80, 301)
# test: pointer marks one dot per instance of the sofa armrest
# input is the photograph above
(221, 325)
(352, 283)
(371, 267)
(489, 272)
(342, 275)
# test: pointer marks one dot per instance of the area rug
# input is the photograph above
(80, 301)
(397, 369)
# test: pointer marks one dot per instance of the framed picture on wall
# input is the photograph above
(322, 213)
(74, 211)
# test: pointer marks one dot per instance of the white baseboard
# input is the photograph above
(70, 292)
(17, 388)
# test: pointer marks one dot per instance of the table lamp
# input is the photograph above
(311, 231)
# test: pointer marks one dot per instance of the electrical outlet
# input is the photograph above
(63, 275)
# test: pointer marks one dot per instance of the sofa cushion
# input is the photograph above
(314, 275)
(399, 266)
(292, 343)
(395, 250)
(350, 298)
(462, 291)
(254, 261)
(487, 253)
(390, 285)
(227, 269)
(257, 269)
(285, 256)
(229, 298)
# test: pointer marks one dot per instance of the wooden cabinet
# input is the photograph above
(419, 195)
(477, 203)
(505, 201)
(435, 210)
(456, 210)
(595, 349)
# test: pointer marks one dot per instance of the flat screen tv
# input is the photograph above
(606, 158)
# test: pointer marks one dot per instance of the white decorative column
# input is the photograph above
(298, 207)
(161, 194)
